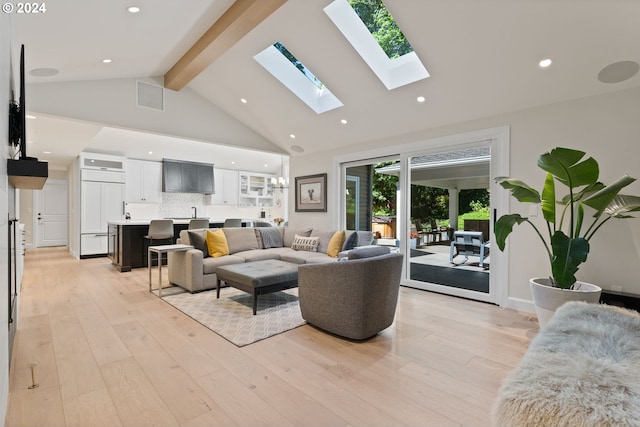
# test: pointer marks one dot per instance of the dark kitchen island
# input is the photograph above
(127, 245)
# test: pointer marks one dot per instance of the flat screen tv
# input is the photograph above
(24, 172)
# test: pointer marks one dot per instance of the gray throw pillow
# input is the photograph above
(198, 240)
(351, 241)
(271, 237)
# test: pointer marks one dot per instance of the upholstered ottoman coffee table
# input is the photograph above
(258, 277)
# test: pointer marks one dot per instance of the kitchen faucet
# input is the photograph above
(195, 212)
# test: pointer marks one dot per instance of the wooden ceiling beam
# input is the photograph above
(233, 25)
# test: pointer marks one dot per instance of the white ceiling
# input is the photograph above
(482, 57)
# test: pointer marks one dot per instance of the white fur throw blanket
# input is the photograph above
(582, 369)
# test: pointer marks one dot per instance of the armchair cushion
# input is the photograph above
(368, 252)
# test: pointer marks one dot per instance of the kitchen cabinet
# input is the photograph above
(255, 189)
(143, 181)
(226, 184)
(101, 200)
(187, 177)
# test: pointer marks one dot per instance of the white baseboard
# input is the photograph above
(520, 304)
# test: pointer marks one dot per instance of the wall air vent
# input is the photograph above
(150, 96)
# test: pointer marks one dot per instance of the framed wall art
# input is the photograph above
(311, 193)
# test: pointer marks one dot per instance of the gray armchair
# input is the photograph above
(355, 298)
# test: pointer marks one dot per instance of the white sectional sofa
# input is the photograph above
(195, 271)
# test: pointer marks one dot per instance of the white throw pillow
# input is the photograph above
(302, 243)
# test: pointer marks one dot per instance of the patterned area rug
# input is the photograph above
(232, 317)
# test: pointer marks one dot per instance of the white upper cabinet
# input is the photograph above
(256, 189)
(226, 185)
(144, 181)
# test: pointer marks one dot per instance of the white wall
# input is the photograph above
(113, 102)
(605, 126)
(6, 32)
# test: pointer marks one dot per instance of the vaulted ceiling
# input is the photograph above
(482, 56)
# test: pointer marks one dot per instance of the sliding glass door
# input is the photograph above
(449, 218)
(444, 223)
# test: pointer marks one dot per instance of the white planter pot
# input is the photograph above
(547, 298)
(413, 244)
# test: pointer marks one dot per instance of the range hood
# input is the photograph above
(24, 172)
(27, 173)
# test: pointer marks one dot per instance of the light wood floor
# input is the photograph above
(109, 353)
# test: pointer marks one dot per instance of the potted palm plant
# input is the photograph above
(571, 221)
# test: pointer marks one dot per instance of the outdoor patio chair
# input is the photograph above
(468, 243)
(435, 232)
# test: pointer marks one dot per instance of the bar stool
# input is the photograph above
(232, 222)
(160, 230)
(198, 223)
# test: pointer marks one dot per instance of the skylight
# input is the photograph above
(378, 20)
(299, 65)
(292, 73)
(401, 67)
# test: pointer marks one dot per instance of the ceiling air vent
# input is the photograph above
(150, 96)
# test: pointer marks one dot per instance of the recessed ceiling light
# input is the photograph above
(266, 165)
(421, 99)
(297, 148)
(545, 63)
(133, 9)
(292, 136)
(46, 152)
(106, 61)
(150, 152)
(244, 101)
(43, 72)
(344, 121)
(233, 163)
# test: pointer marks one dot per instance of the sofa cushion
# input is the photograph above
(270, 236)
(301, 243)
(209, 265)
(240, 239)
(300, 257)
(335, 244)
(198, 239)
(351, 240)
(289, 234)
(324, 237)
(320, 258)
(217, 243)
(368, 251)
(257, 255)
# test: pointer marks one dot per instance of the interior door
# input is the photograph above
(52, 213)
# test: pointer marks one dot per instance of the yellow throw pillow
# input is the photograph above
(217, 243)
(335, 244)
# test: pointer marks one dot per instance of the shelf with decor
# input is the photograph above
(255, 189)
